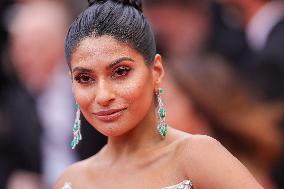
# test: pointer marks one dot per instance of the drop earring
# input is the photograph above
(162, 125)
(76, 129)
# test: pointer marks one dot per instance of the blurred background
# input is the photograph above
(224, 63)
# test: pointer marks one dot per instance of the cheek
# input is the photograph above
(83, 96)
(138, 92)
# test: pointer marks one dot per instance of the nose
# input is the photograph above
(104, 95)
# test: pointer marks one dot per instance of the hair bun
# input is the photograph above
(135, 3)
(91, 2)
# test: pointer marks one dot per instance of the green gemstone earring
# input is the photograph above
(76, 129)
(162, 125)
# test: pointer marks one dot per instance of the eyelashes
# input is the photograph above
(118, 73)
(84, 78)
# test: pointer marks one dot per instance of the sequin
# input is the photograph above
(67, 185)
(186, 184)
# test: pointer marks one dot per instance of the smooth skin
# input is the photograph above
(108, 74)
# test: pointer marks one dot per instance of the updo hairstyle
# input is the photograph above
(121, 19)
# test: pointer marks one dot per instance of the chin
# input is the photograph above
(111, 129)
(112, 133)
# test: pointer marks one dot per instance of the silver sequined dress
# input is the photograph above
(187, 184)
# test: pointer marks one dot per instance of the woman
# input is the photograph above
(116, 78)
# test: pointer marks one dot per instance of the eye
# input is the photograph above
(84, 78)
(121, 71)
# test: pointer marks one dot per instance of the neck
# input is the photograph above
(142, 138)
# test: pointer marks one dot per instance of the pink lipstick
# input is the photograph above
(109, 115)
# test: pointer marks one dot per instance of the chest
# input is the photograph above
(152, 176)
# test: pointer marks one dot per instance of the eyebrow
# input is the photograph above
(119, 61)
(82, 69)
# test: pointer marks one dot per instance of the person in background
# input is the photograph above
(263, 24)
(37, 32)
(20, 130)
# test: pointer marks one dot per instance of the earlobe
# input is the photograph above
(158, 71)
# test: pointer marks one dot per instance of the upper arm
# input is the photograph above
(211, 166)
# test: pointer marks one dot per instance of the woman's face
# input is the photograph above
(112, 84)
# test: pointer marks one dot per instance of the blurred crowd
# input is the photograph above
(224, 63)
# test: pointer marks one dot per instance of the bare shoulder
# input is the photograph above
(194, 147)
(210, 165)
(201, 144)
(72, 174)
(192, 144)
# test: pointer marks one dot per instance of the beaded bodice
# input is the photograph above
(187, 184)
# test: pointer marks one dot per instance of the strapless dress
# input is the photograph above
(186, 184)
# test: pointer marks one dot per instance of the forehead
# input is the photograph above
(103, 49)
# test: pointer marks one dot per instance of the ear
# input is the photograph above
(157, 71)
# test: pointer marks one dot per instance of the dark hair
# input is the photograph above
(121, 19)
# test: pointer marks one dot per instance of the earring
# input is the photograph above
(162, 125)
(76, 129)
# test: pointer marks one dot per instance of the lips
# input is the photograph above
(109, 115)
